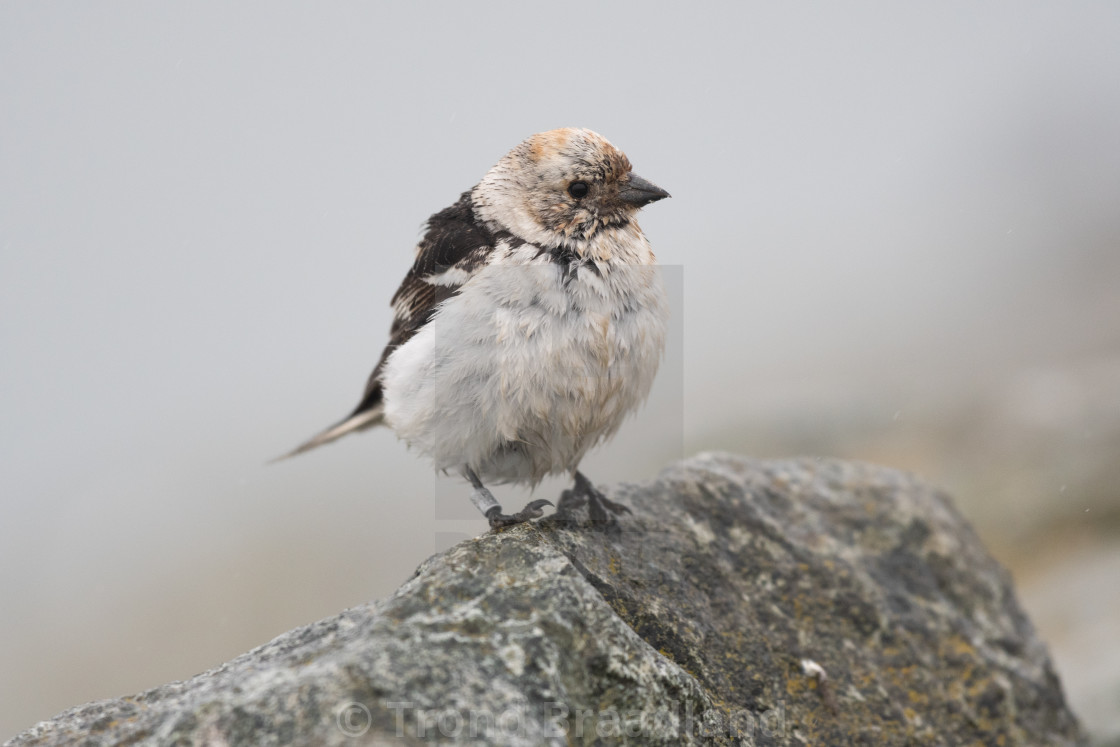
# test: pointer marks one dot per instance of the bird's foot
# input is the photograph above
(534, 510)
(602, 510)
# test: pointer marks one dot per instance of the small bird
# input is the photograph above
(531, 324)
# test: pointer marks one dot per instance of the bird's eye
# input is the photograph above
(578, 189)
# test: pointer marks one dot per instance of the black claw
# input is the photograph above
(498, 520)
(537, 505)
(614, 506)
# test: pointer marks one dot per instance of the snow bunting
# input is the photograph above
(531, 323)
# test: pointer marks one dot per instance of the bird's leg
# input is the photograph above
(598, 504)
(485, 502)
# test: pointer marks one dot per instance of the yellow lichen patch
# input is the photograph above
(961, 646)
(902, 673)
(977, 688)
(918, 698)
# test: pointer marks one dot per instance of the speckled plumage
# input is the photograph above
(532, 321)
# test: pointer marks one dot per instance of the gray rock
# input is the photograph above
(743, 602)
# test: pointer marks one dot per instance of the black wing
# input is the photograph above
(455, 241)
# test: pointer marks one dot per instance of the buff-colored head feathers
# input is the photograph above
(562, 186)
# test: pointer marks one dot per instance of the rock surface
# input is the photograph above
(743, 602)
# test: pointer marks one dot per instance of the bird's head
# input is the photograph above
(563, 187)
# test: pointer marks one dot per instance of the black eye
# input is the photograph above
(578, 189)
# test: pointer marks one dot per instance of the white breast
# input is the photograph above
(524, 370)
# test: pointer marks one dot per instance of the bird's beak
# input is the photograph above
(637, 191)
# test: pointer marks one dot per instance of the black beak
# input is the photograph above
(637, 191)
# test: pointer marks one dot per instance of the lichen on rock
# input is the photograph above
(743, 602)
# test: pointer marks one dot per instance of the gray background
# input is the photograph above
(894, 235)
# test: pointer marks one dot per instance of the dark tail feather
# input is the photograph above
(359, 421)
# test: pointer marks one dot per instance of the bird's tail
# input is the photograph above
(358, 421)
